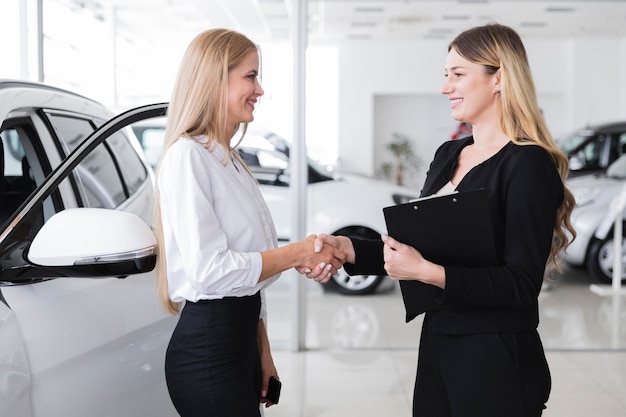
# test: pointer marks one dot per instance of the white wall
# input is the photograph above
(384, 87)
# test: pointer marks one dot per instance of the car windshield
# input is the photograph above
(617, 168)
(574, 141)
(281, 145)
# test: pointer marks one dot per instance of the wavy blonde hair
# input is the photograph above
(499, 47)
(199, 107)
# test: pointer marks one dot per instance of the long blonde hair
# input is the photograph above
(499, 47)
(199, 107)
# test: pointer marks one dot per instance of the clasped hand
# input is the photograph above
(401, 261)
(322, 273)
(322, 261)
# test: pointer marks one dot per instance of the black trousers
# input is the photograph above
(481, 375)
(212, 364)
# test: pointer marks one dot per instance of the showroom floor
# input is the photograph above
(360, 356)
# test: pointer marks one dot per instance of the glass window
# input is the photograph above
(109, 174)
(23, 169)
(132, 170)
(13, 152)
(16, 182)
(71, 130)
(621, 145)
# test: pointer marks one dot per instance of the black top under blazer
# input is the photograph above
(525, 191)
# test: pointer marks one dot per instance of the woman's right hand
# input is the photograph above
(324, 242)
(322, 261)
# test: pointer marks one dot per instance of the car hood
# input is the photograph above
(598, 189)
(354, 178)
(589, 180)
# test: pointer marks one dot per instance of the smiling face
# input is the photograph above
(473, 93)
(244, 90)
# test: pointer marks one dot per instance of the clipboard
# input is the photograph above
(451, 230)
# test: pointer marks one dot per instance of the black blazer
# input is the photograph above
(525, 191)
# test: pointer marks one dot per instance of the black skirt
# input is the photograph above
(212, 364)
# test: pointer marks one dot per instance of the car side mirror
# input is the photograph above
(94, 242)
(575, 163)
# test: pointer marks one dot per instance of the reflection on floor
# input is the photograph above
(360, 356)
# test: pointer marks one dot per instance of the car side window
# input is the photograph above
(590, 154)
(16, 180)
(268, 167)
(111, 173)
(621, 145)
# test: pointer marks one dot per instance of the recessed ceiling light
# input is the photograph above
(369, 9)
(410, 19)
(455, 17)
(363, 24)
(358, 36)
(442, 30)
(558, 9)
(533, 24)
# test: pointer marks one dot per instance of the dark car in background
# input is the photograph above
(593, 148)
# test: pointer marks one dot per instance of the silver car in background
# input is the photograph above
(593, 219)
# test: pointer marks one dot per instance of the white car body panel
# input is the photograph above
(333, 205)
(122, 341)
(14, 373)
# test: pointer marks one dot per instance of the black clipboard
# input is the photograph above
(451, 230)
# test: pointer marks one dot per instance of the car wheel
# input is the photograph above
(356, 284)
(600, 258)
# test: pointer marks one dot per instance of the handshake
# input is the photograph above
(323, 255)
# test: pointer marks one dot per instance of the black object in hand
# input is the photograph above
(273, 390)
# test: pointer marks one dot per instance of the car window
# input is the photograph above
(589, 157)
(14, 153)
(111, 173)
(16, 182)
(268, 167)
(570, 143)
(151, 140)
(621, 144)
(27, 166)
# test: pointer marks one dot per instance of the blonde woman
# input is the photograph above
(217, 242)
(480, 354)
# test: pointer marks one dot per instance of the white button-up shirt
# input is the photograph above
(215, 224)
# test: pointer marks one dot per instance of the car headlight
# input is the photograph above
(585, 195)
(402, 198)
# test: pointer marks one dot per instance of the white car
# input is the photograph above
(593, 218)
(81, 330)
(344, 203)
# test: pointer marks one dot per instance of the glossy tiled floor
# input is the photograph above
(360, 356)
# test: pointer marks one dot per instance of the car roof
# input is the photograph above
(604, 127)
(8, 83)
(26, 93)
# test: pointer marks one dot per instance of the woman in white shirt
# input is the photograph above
(217, 242)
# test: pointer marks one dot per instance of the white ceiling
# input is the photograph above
(338, 21)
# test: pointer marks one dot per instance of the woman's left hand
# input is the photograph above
(404, 262)
(401, 261)
(268, 369)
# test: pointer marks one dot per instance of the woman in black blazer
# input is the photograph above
(480, 354)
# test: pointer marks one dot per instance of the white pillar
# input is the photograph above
(299, 180)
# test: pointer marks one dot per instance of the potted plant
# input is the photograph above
(405, 161)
